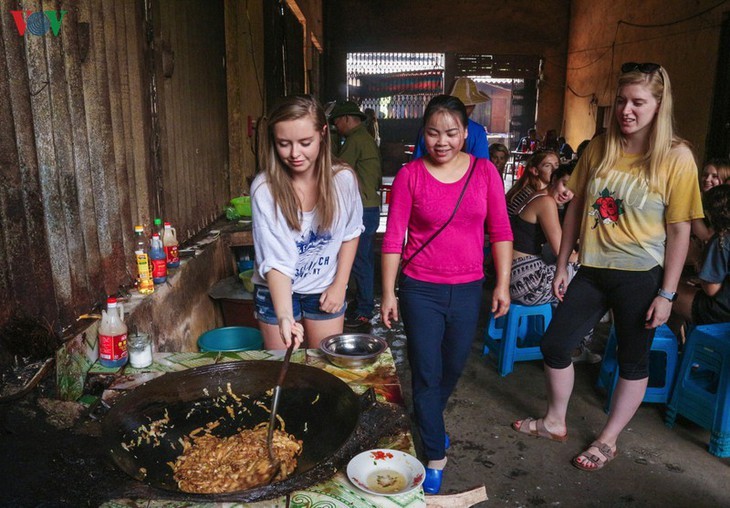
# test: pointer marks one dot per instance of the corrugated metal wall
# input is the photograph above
(191, 88)
(79, 160)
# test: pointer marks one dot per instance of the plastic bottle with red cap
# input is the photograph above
(112, 335)
(169, 240)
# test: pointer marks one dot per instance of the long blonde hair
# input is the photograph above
(662, 137)
(278, 174)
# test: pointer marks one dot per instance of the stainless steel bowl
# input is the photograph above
(350, 350)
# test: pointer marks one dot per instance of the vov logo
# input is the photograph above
(38, 23)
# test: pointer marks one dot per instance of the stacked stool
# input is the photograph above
(702, 392)
(516, 336)
(665, 342)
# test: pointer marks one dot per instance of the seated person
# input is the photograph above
(536, 177)
(537, 230)
(550, 141)
(535, 223)
(499, 155)
(711, 303)
(529, 143)
(714, 173)
(565, 150)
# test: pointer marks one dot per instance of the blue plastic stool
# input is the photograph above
(702, 392)
(662, 366)
(516, 336)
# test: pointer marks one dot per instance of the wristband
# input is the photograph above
(672, 297)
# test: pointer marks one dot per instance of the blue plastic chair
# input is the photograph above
(663, 361)
(516, 336)
(702, 391)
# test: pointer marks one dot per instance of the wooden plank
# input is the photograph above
(123, 59)
(165, 119)
(86, 225)
(65, 238)
(43, 128)
(22, 211)
(460, 500)
(101, 150)
(213, 154)
(140, 78)
(11, 196)
(40, 78)
(112, 50)
(186, 183)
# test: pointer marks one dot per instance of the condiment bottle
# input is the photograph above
(112, 335)
(159, 229)
(171, 249)
(144, 269)
(159, 260)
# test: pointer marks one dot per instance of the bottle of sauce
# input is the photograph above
(171, 246)
(159, 260)
(158, 227)
(112, 335)
(144, 268)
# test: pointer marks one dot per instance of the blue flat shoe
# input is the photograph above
(447, 443)
(432, 483)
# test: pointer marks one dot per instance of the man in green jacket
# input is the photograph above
(361, 152)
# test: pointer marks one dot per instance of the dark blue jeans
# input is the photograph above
(440, 322)
(363, 269)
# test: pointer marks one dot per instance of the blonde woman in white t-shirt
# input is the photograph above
(307, 218)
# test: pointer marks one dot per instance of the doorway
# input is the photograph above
(718, 139)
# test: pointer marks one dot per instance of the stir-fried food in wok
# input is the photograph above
(213, 465)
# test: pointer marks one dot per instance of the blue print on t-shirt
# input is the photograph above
(310, 259)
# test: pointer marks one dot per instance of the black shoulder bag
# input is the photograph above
(405, 262)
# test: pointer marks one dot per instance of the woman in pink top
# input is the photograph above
(442, 202)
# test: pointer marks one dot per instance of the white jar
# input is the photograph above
(139, 347)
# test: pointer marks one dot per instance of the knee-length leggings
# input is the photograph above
(590, 294)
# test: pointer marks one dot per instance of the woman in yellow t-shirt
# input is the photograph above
(635, 195)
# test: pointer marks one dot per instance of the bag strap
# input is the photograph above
(443, 226)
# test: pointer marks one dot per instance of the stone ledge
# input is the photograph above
(175, 315)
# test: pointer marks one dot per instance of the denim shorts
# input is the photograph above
(304, 306)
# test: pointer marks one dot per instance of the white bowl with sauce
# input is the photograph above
(385, 472)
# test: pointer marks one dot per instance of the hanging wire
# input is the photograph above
(582, 96)
(284, 50)
(253, 58)
(615, 43)
(676, 21)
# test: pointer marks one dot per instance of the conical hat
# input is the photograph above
(467, 92)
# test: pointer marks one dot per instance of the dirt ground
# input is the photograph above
(44, 462)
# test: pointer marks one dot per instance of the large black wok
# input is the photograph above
(317, 408)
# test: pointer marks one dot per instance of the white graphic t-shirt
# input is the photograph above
(308, 256)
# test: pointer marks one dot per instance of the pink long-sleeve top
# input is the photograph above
(420, 204)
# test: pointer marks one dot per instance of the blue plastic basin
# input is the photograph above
(231, 338)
